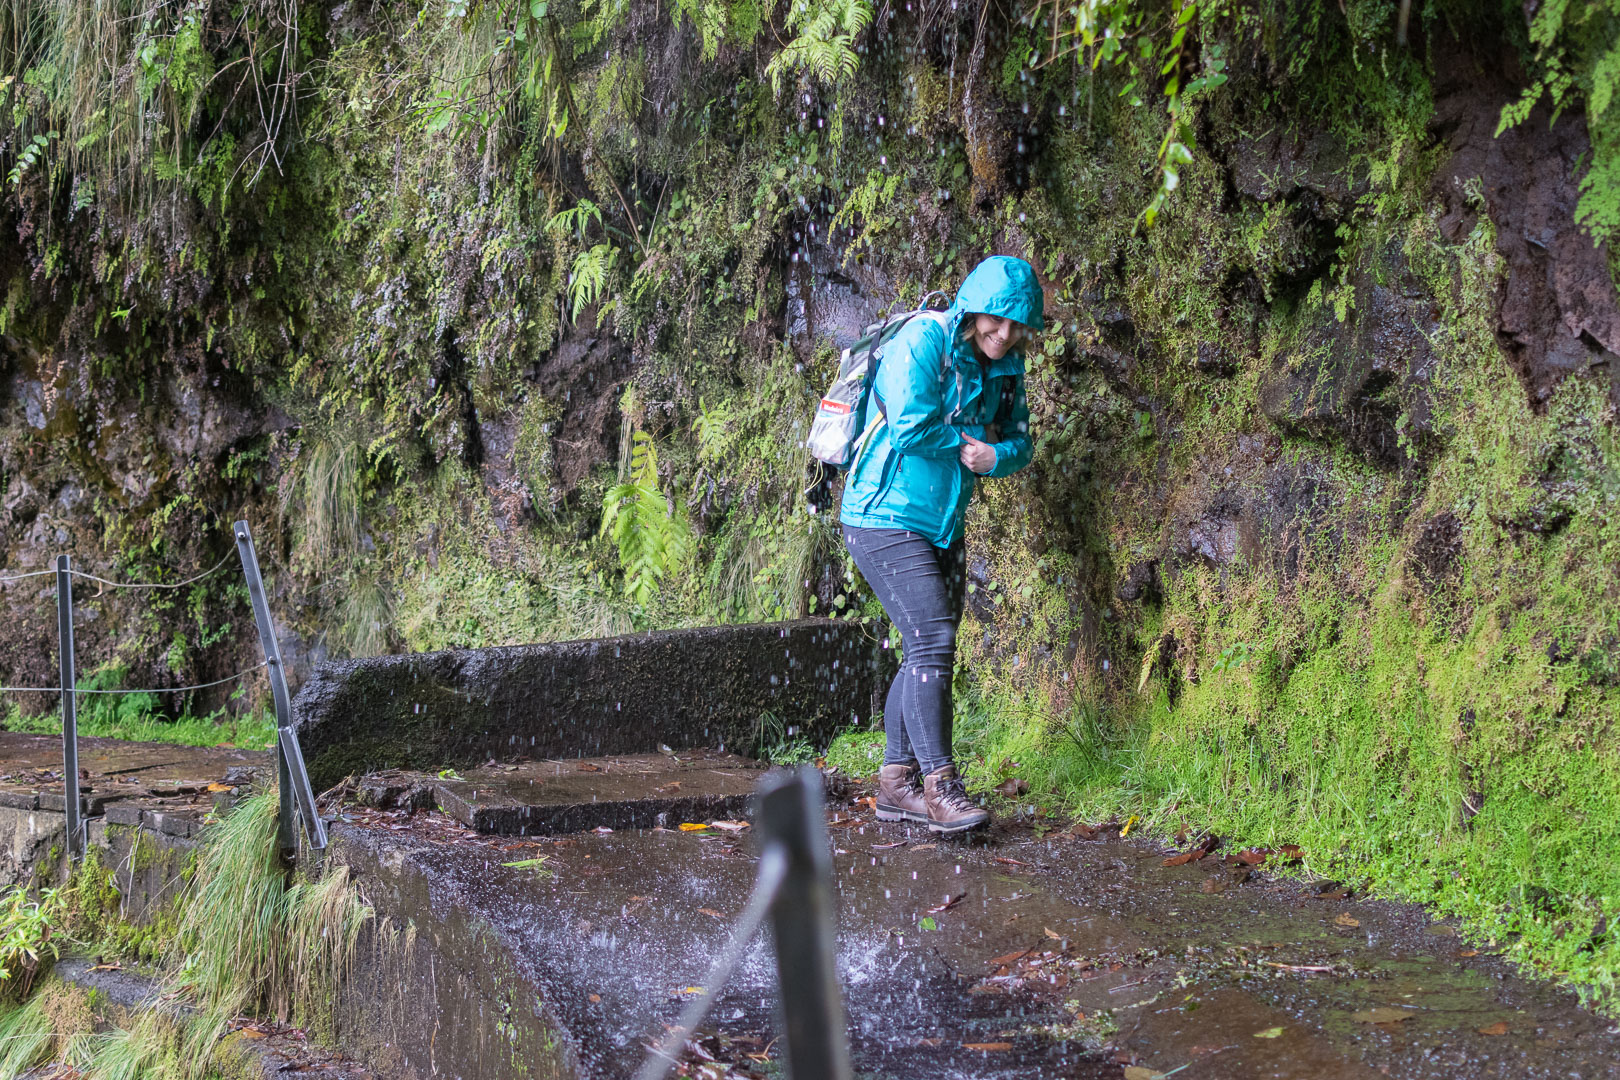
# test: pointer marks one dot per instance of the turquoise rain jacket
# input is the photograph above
(909, 475)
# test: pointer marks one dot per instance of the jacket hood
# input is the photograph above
(1003, 286)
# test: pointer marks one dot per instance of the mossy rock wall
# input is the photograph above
(1319, 538)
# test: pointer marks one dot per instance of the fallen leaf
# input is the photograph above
(1185, 857)
(1213, 887)
(1010, 958)
(1012, 787)
(924, 847)
(1347, 919)
(603, 830)
(886, 847)
(1126, 831)
(1053, 934)
(586, 766)
(1137, 1072)
(1291, 852)
(252, 1033)
(216, 786)
(710, 911)
(1498, 1028)
(669, 788)
(993, 1046)
(1010, 862)
(950, 902)
(870, 801)
(1084, 831)
(1252, 856)
(692, 826)
(596, 999)
(1334, 894)
(1269, 1033)
(1382, 1015)
(1466, 953)
(730, 826)
(690, 990)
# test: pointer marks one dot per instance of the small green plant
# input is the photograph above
(28, 937)
(1233, 657)
(856, 752)
(650, 529)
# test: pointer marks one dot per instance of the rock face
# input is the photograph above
(1362, 379)
(625, 695)
(1559, 314)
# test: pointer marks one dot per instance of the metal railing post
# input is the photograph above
(290, 771)
(70, 716)
(803, 926)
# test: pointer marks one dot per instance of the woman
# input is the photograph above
(953, 395)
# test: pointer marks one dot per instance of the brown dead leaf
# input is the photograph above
(596, 999)
(1185, 857)
(586, 766)
(710, 911)
(1498, 1028)
(1347, 919)
(1053, 934)
(669, 788)
(1012, 787)
(252, 1033)
(1466, 953)
(886, 847)
(1332, 894)
(1252, 856)
(1009, 958)
(924, 847)
(1084, 831)
(1213, 887)
(992, 1047)
(1291, 852)
(950, 902)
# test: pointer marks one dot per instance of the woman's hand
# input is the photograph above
(979, 457)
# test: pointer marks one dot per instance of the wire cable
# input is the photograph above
(773, 867)
(22, 577)
(162, 690)
(152, 584)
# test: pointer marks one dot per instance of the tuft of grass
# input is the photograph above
(856, 752)
(139, 717)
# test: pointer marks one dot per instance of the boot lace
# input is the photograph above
(952, 794)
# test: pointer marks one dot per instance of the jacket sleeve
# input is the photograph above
(1013, 451)
(908, 381)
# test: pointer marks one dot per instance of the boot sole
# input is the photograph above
(936, 827)
(894, 813)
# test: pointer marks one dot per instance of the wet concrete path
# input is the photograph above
(1011, 955)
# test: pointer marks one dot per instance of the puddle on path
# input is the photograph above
(1071, 958)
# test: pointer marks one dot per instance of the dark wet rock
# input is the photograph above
(623, 695)
(1436, 554)
(1141, 582)
(1559, 313)
(1214, 359)
(1219, 532)
(1283, 164)
(584, 376)
(1364, 381)
(831, 298)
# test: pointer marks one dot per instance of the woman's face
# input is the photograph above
(995, 335)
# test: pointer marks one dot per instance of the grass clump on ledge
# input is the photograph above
(250, 942)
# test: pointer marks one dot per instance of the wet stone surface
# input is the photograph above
(1010, 954)
(555, 797)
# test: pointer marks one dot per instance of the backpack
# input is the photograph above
(845, 419)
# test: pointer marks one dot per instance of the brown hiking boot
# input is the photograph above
(949, 808)
(899, 795)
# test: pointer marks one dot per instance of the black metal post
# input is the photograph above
(290, 771)
(803, 925)
(70, 715)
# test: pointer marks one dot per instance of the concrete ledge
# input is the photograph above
(683, 688)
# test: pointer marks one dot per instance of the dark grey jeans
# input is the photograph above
(921, 588)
